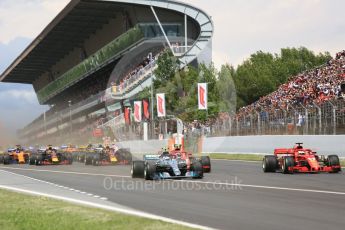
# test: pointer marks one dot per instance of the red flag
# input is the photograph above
(127, 116)
(137, 111)
(97, 133)
(202, 96)
(146, 107)
(161, 105)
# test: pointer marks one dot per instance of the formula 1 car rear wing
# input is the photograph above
(284, 151)
(151, 157)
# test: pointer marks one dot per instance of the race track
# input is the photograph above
(236, 195)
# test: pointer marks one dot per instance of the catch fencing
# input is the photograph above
(313, 119)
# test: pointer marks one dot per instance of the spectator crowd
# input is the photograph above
(310, 87)
(123, 82)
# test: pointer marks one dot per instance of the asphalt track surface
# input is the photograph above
(236, 195)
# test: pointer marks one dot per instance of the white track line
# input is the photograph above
(210, 182)
(267, 187)
(246, 161)
(243, 161)
(66, 172)
(46, 182)
(110, 208)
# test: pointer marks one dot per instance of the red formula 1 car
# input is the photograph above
(179, 151)
(299, 159)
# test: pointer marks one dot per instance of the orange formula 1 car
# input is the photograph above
(299, 159)
(15, 156)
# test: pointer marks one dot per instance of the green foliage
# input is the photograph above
(168, 65)
(263, 72)
(180, 88)
(100, 57)
(226, 90)
(257, 76)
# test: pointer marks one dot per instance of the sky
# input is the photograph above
(241, 28)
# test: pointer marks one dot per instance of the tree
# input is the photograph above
(257, 76)
(263, 72)
(226, 90)
(167, 67)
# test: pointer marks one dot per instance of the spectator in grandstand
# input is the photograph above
(313, 86)
(97, 85)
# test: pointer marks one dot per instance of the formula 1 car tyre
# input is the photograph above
(287, 162)
(206, 164)
(32, 159)
(69, 158)
(149, 171)
(197, 168)
(96, 160)
(88, 159)
(7, 159)
(38, 160)
(138, 168)
(333, 160)
(269, 163)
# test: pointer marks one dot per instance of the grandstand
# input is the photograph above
(71, 63)
(312, 102)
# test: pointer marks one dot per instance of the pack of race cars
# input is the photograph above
(65, 155)
(166, 164)
(169, 163)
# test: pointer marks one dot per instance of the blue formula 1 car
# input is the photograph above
(167, 165)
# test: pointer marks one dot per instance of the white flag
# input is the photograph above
(137, 111)
(161, 105)
(202, 96)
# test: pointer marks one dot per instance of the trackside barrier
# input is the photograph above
(323, 144)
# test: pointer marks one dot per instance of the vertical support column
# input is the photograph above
(45, 123)
(259, 123)
(306, 114)
(166, 128)
(162, 30)
(236, 126)
(251, 125)
(230, 125)
(267, 123)
(185, 33)
(285, 120)
(334, 121)
(334, 117)
(145, 129)
(320, 121)
(320, 118)
(152, 99)
(307, 121)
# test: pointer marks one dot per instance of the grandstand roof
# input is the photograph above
(75, 23)
(71, 27)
